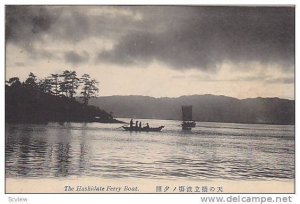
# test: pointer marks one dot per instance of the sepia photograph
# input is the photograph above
(152, 99)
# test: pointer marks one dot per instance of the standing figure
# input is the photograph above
(131, 123)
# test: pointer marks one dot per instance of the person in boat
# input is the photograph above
(140, 125)
(136, 124)
(147, 126)
(131, 123)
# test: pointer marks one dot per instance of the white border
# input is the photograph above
(132, 199)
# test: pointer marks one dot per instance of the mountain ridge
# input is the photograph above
(165, 97)
(206, 108)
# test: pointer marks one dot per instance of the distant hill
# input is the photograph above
(208, 108)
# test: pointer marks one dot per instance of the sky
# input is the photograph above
(159, 51)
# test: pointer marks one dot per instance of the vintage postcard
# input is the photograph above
(149, 99)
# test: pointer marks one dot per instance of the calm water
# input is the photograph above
(209, 151)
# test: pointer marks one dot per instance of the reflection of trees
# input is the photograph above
(63, 160)
(42, 151)
(83, 150)
(25, 155)
(12, 151)
(10, 143)
(23, 161)
(82, 158)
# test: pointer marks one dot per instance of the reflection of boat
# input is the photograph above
(187, 118)
(143, 129)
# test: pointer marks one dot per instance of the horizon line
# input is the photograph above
(160, 97)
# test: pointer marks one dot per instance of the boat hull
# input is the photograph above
(144, 129)
(188, 125)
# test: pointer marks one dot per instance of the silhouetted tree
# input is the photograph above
(31, 81)
(70, 83)
(45, 85)
(14, 82)
(74, 83)
(89, 88)
(63, 88)
(54, 80)
(34, 101)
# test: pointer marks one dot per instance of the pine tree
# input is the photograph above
(55, 84)
(69, 84)
(45, 85)
(14, 82)
(31, 81)
(89, 88)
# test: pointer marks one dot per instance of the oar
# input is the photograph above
(120, 127)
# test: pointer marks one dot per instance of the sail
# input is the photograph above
(187, 114)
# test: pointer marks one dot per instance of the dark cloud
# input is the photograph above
(203, 37)
(29, 24)
(182, 37)
(25, 24)
(75, 58)
(72, 26)
(30, 27)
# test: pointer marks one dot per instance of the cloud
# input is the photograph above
(25, 24)
(204, 37)
(66, 23)
(75, 58)
(34, 28)
(181, 37)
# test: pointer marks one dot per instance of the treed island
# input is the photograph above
(53, 99)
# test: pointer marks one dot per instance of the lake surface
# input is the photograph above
(210, 151)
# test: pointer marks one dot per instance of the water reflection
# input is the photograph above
(83, 156)
(210, 151)
(43, 151)
(63, 159)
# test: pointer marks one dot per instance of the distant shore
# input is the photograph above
(205, 108)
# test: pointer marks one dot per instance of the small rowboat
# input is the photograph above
(143, 129)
